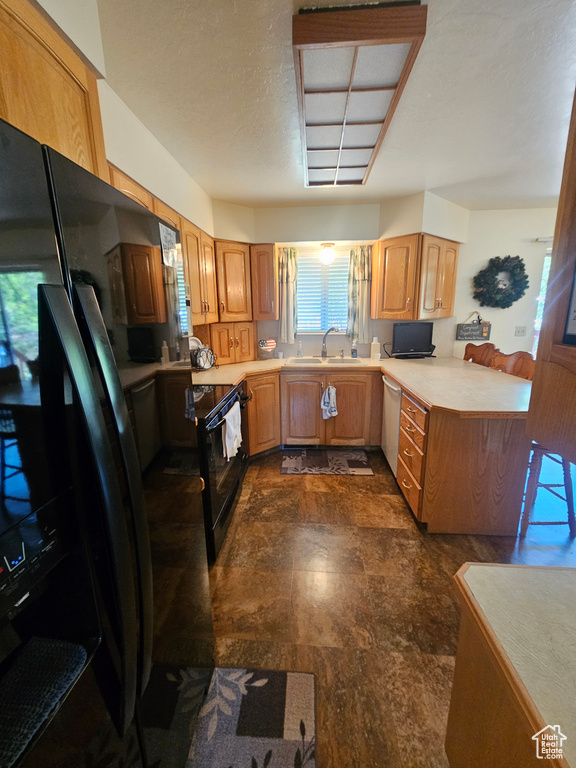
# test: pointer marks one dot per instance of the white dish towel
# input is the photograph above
(232, 432)
(328, 402)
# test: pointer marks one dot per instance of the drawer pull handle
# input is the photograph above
(405, 484)
(410, 410)
(407, 453)
(203, 483)
(237, 341)
(223, 306)
(409, 429)
(231, 342)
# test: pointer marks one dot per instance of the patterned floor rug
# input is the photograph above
(321, 461)
(256, 719)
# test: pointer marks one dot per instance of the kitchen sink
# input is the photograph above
(305, 360)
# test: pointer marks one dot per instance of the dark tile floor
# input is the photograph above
(331, 574)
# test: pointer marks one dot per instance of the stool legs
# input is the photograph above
(534, 469)
(569, 496)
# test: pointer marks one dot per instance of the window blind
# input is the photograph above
(182, 308)
(322, 292)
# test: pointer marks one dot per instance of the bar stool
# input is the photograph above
(534, 469)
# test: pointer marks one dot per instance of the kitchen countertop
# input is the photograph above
(531, 613)
(449, 383)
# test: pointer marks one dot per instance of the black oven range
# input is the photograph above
(222, 475)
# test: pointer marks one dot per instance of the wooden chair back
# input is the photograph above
(519, 364)
(481, 354)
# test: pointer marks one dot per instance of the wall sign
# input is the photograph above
(168, 239)
(472, 331)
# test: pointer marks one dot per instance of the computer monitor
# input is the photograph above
(410, 340)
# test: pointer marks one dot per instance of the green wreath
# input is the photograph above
(491, 292)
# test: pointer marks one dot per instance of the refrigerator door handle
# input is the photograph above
(95, 337)
(59, 333)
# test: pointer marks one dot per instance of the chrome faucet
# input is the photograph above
(324, 352)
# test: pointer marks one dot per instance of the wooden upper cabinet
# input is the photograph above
(209, 290)
(46, 90)
(143, 284)
(244, 342)
(233, 342)
(265, 288)
(439, 262)
(233, 276)
(199, 273)
(167, 214)
(131, 188)
(395, 278)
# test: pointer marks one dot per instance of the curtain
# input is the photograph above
(288, 273)
(359, 279)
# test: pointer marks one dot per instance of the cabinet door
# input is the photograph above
(46, 90)
(302, 422)
(222, 338)
(353, 401)
(244, 342)
(437, 277)
(395, 278)
(131, 188)
(209, 290)
(447, 278)
(165, 212)
(193, 271)
(175, 428)
(265, 289)
(142, 268)
(233, 273)
(263, 412)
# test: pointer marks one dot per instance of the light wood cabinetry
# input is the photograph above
(411, 452)
(233, 342)
(302, 422)
(437, 278)
(552, 416)
(200, 273)
(413, 277)
(395, 278)
(131, 188)
(263, 412)
(175, 429)
(265, 288)
(136, 285)
(169, 215)
(46, 90)
(233, 277)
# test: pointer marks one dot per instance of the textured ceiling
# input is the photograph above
(482, 122)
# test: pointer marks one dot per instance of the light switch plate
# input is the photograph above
(520, 330)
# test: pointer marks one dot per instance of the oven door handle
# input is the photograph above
(221, 422)
(218, 424)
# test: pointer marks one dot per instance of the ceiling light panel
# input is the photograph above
(351, 68)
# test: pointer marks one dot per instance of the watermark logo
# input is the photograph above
(549, 743)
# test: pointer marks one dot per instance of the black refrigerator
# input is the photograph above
(76, 596)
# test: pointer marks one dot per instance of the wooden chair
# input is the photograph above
(481, 354)
(519, 364)
(534, 469)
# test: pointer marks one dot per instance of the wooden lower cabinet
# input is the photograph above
(302, 422)
(263, 412)
(175, 429)
(233, 342)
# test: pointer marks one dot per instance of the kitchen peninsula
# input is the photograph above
(470, 443)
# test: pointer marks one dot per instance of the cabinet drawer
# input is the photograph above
(415, 411)
(415, 434)
(411, 455)
(409, 487)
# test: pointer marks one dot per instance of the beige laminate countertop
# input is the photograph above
(457, 385)
(442, 382)
(531, 612)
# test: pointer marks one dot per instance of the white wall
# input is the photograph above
(131, 146)
(445, 219)
(503, 233)
(233, 222)
(401, 216)
(327, 223)
(80, 23)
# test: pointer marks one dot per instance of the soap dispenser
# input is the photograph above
(164, 354)
(375, 348)
(300, 351)
(354, 350)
